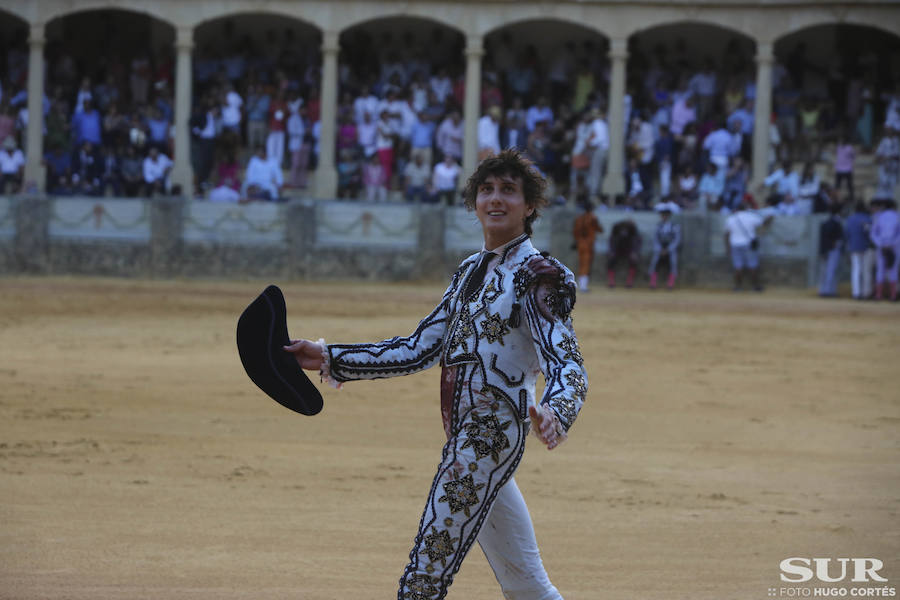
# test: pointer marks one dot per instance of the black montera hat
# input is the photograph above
(261, 334)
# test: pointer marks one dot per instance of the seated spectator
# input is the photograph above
(687, 188)
(416, 179)
(156, 172)
(224, 193)
(624, 245)
(263, 174)
(12, 166)
(110, 171)
(86, 170)
(444, 178)
(131, 168)
(711, 187)
(59, 170)
(784, 183)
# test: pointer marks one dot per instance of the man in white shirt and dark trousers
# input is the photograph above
(156, 172)
(598, 143)
(742, 244)
(264, 175)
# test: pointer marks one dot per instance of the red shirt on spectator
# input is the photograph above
(278, 113)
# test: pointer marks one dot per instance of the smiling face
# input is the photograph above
(501, 208)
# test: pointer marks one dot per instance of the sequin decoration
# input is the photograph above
(577, 383)
(522, 280)
(464, 330)
(570, 346)
(566, 409)
(486, 437)
(461, 494)
(421, 587)
(439, 545)
(491, 292)
(494, 328)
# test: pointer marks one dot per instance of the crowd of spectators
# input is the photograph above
(689, 120)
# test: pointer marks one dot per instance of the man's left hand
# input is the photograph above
(546, 426)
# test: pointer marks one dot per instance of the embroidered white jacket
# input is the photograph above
(517, 324)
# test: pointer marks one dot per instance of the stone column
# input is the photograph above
(471, 106)
(35, 177)
(326, 178)
(182, 171)
(762, 112)
(614, 182)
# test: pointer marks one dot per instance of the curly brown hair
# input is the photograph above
(514, 164)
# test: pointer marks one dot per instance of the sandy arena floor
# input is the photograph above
(722, 434)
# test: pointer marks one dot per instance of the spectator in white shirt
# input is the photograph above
(722, 144)
(441, 85)
(786, 183)
(263, 175)
(449, 136)
(365, 104)
(156, 172)
(537, 113)
(444, 179)
(12, 165)
(366, 132)
(489, 133)
(231, 110)
(598, 144)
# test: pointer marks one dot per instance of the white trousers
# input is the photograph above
(507, 540)
(861, 266)
(275, 147)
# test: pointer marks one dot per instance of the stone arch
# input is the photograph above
(14, 33)
(886, 21)
(663, 58)
(61, 10)
(263, 12)
(102, 43)
(263, 40)
(448, 16)
(575, 51)
(844, 68)
(581, 20)
(369, 46)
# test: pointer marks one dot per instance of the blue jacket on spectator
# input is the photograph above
(87, 127)
(856, 231)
